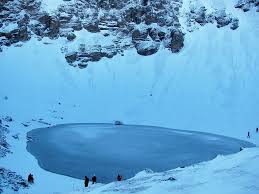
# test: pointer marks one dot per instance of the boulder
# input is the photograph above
(177, 41)
(8, 119)
(71, 36)
(92, 27)
(222, 19)
(139, 35)
(234, 24)
(54, 26)
(156, 34)
(82, 65)
(71, 57)
(146, 48)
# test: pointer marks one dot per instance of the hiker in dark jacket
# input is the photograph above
(248, 134)
(86, 181)
(30, 178)
(257, 130)
(119, 178)
(94, 179)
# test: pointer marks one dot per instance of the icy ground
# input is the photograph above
(210, 86)
(233, 174)
(105, 150)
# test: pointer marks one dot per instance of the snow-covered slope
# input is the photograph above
(210, 85)
(225, 174)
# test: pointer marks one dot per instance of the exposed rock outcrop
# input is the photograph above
(177, 41)
(144, 25)
(199, 15)
(247, 5)
(10, 180)
(146, 48)
(4, 146)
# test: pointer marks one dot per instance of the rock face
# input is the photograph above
(11, 180)
(148, 24)
(146, 48)
(246, 5)
(199, 15)
(177, 40)
(71, 36)
(4, 146)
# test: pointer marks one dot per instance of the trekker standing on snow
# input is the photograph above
(86, 181)
(248, 134)
(257, 130)
(30, 178)
(94, 179)
(119, 178)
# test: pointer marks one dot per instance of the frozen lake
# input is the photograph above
(106, 150)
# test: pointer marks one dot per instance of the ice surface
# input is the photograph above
(106, 150)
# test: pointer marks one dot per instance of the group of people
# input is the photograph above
(94, 179)
(248, 133)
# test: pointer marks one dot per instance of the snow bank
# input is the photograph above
(226, 174)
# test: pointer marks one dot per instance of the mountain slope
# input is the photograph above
(209, 85)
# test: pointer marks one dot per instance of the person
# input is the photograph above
(119, 178)
(30, 178)
(94, 179)
(248, 134)
(86, 181)
(257, 130)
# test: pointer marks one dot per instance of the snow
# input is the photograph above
(225, 174)
(9, 27)
(51, 5)
(210, 86)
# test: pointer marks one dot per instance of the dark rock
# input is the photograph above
(161, 35)
(54, 26)
(201, 16)
(156, 34)
(246, 7)
(51, 23)
(222, 19)
(71, 57)
(177, 41)
(150, 18)
(146, 48)
(45, 19)
(16, 136)
(234, 24)
(139, 35)
(171, 179)
(8, 119)
(77, 26)
(25, 125)
(11, 181)
(82, 65)
(92, 27)
(24, 21)
(71, 36)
